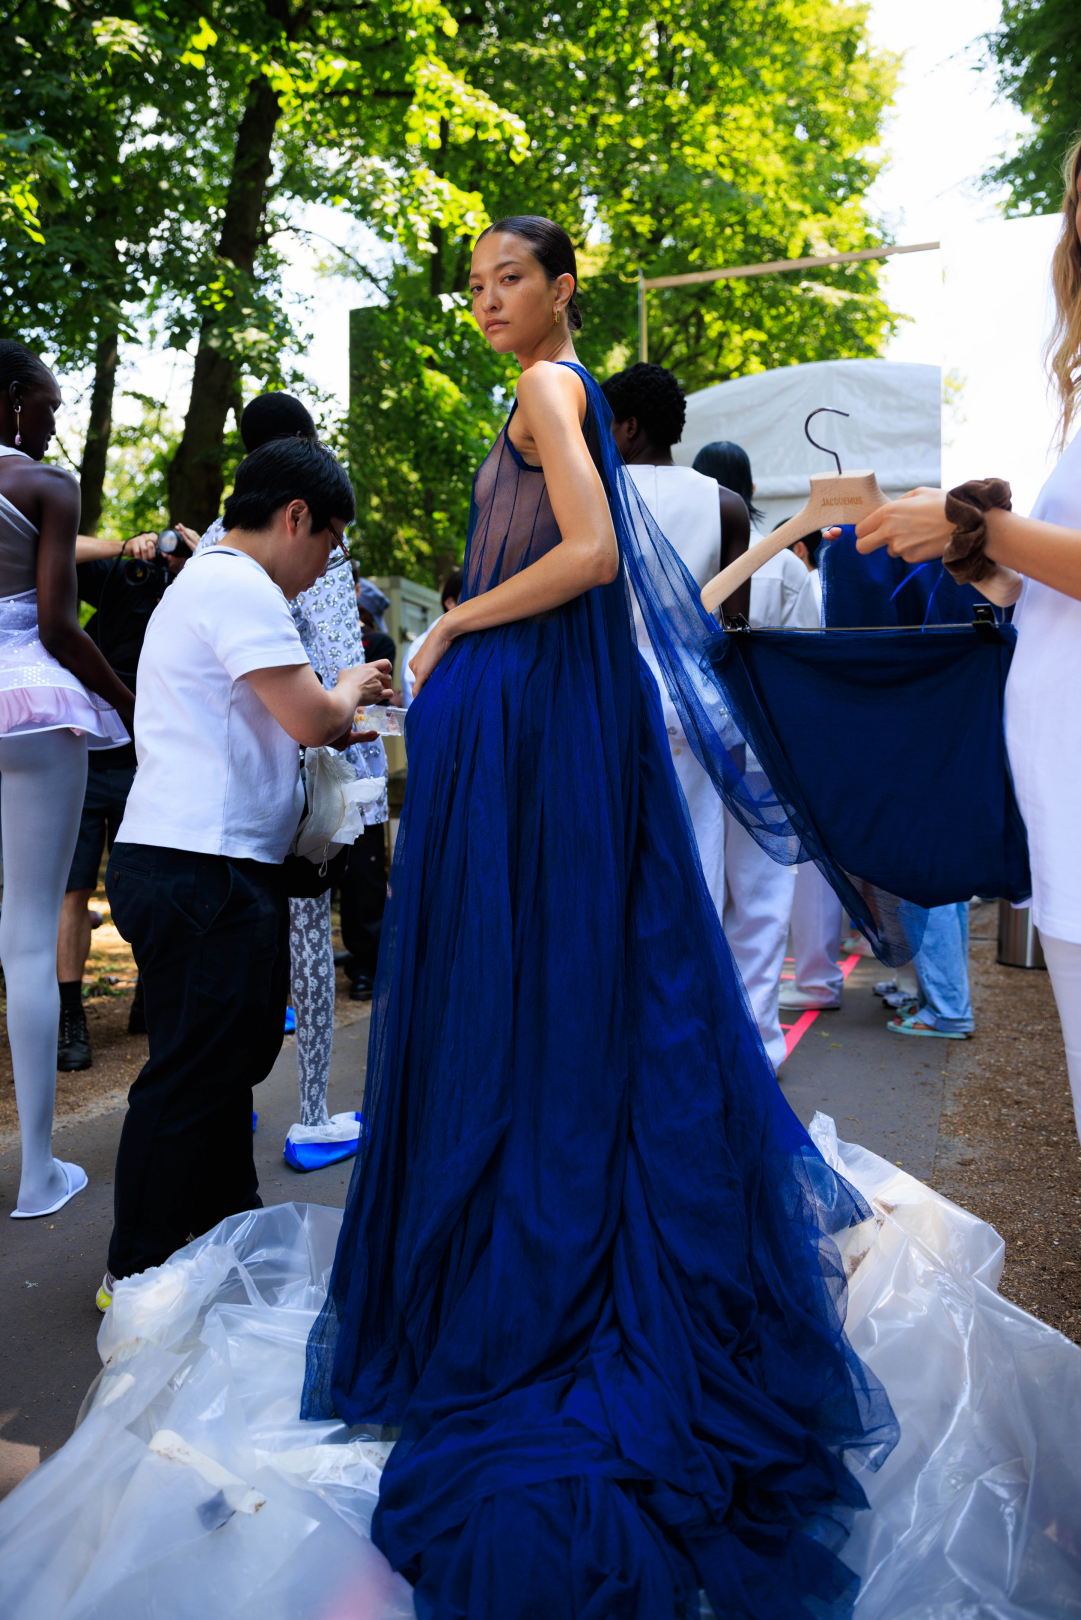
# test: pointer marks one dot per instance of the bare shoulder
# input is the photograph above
(40, 490)
(47, 481)
(548, 386)
(57, 482)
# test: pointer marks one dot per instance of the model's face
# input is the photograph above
(514, 302)
(33, 414)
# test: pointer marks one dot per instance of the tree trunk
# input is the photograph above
(195, 476)
(98, 434)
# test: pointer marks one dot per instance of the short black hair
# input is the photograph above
(730, 465)
(275, 416)
(287, 470)
(21, 365)
(651, 394)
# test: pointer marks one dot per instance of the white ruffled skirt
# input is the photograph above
(191, 1490)
(37, 693)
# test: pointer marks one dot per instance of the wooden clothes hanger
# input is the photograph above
(835, 498)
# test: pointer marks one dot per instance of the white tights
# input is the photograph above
(42, 783)
(1064, 965)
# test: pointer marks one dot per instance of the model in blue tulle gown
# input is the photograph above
(586, 1269)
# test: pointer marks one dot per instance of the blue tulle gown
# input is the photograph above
(586, 1268)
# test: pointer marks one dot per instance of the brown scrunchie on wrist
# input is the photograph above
(966, 506)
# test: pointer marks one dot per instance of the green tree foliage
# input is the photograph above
(327, 87)
(672, 136)
(1037, 49)
(171, 141)
(116, 107)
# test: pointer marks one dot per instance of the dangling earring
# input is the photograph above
(556, 317)
(18, 435)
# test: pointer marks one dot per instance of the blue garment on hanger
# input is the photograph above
(887, 750)
(877, 589)
(587, 1267)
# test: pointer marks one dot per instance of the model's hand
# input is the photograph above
(915, 527)
(430, 651)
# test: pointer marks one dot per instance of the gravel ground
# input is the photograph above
(1008, 1148)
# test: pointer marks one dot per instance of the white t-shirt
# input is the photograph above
(216, 772)
(783, 595)
(1043, 721)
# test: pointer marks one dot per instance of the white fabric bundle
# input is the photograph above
(335, 794)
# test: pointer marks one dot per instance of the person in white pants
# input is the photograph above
(758, 892)
(710, 527)
(816, 920)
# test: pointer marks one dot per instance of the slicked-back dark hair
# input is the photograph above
(550, 246)
(274, 416)
(730, 465)
(285, 470)
(653, 396)
(21, 365)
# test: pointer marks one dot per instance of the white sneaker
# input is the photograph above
(802, 1001)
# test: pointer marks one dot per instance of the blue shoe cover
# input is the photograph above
(313, 1147)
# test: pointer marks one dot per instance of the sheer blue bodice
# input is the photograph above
(587, 1269)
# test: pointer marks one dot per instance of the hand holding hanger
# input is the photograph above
(915, 528)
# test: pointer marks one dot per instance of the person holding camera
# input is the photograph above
(124, 584)
(226, 694)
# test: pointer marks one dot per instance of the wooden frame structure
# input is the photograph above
(647, 284)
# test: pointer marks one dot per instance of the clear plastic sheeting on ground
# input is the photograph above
(192, 1491)
(977, 1512)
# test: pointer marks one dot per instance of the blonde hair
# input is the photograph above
(1064, 345)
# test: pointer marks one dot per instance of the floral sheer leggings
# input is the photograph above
(312, 982)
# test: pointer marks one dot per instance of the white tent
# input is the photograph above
(894, 426)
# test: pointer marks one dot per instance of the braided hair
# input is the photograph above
(652, 395)
(21, 365)
(550, 246)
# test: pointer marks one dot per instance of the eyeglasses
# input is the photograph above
(339, 540)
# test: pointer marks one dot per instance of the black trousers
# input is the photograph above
(210, 937)
(363, 894)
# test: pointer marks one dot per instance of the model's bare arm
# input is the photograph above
(551, 410)
(314, 715)
(58, 606)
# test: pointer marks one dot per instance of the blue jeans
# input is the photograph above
(941, 965)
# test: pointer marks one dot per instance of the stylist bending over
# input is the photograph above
(1037, 560)
(226, 693)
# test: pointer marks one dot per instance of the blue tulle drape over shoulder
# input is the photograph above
(588, 1270)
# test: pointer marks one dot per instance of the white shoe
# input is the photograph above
(76, 1179)
(802, 1001)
